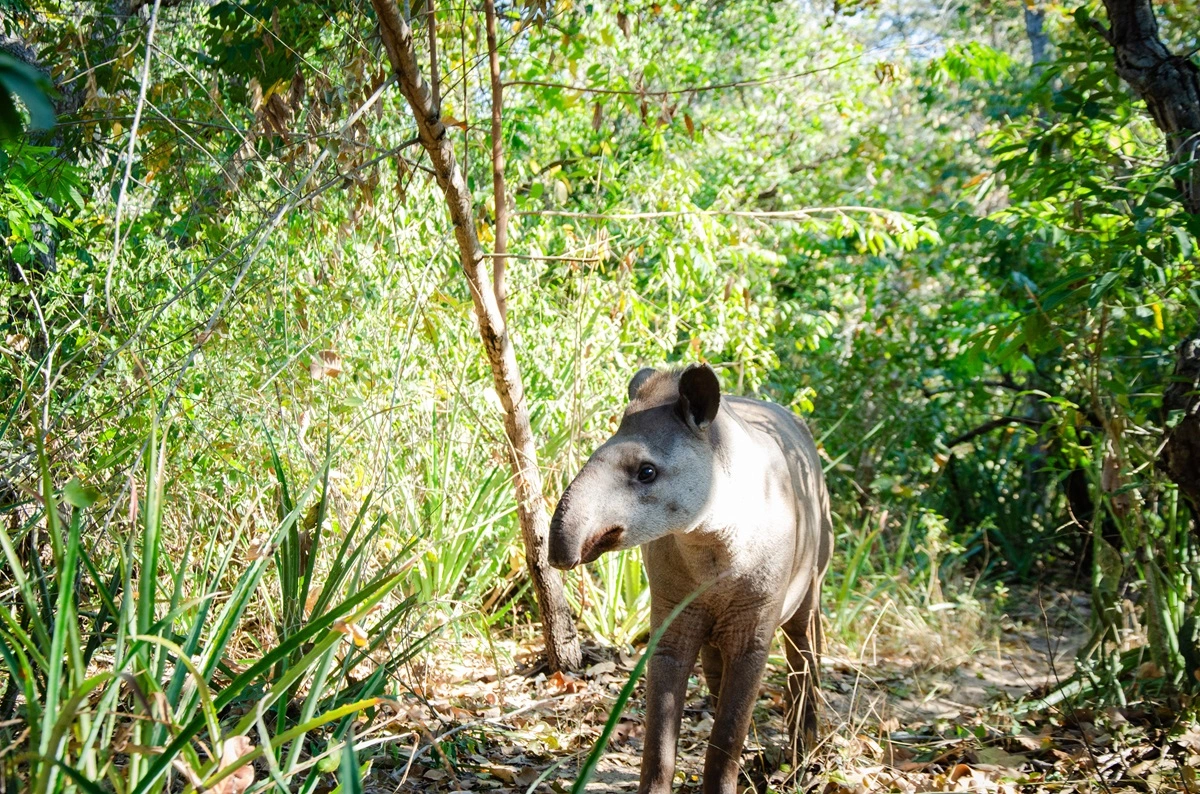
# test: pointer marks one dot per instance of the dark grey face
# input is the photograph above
(652, 478)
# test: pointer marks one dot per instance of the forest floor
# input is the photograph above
(915, 720)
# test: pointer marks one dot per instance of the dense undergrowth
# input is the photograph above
(253, 463)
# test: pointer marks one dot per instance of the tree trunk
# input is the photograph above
(1035, 30)
(1170, 86)
(558, 625)
(1180, 457)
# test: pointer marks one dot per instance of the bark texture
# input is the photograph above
(558, 625)
(1180, 457)
(1170, 86)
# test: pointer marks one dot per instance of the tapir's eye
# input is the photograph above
(647, 473)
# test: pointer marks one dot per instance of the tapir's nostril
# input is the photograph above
(596, 545)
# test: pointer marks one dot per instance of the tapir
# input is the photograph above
(726, 496)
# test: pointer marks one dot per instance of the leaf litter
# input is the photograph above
(492, 720)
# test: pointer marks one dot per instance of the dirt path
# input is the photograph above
(904, 722)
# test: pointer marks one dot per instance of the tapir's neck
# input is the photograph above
(725, 536)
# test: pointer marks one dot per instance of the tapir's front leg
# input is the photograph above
(666, 690)
(735, 708)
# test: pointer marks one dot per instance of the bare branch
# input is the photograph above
(133, 131)
(994, 424)
(431, 27)
(699, 89)
(499, 194)
(779, 215)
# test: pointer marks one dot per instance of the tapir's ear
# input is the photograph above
(699, 396)
(640, 377)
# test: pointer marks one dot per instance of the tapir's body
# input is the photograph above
(724, 492)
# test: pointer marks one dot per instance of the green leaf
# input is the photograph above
(1083, 19)
(79, 495)
(21, 80)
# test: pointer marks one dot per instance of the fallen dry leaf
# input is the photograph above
(503, 772)
(600, 668)
(325, 364)
(261, 548)
(1031, 742)
(353, 631)
(565, 683)
(240, 780)
(526, 776)
(1149, 670)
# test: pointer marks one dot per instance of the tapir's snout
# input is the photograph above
(575, 535)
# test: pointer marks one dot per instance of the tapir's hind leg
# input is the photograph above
(803, 642)
(714, 666)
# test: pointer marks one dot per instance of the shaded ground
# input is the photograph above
(909, 722)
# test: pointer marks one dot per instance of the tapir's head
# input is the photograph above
(654, 477)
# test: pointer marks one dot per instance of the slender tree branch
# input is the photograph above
(431, 28)
(499, 194)
(988, 427)
(699, 89)
(781, 215)
(558, 627)
(540, 258)
(133, 131)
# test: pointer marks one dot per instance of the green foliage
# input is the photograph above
(20, 80)
(967, 273)
(169, 682)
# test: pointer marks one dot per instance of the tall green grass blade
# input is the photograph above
(206, 701)
(350, 776)
(23, 640)
(289, 735)
(67, 714)
(319, 527)
(589, 765)
(359, 604)
(854, 566)
(25, 588)
(311, 700)
(231, 614)
(65, 561)
(80, 779)
(22, 671)
(107, 612)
